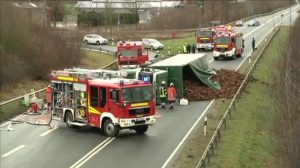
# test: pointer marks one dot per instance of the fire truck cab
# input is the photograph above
(205, 38)
(111, 104)
(131, 54)
(228, 45)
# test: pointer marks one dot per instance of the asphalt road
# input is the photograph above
(29, 146)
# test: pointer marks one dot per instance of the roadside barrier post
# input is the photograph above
(205, 126)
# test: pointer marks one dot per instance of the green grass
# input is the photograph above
(174, 44)
(249, 140)
(93, 59)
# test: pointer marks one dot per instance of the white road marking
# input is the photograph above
(187, 134)
(13, 151)
(49, 131)
(258, 43)
(93, 152)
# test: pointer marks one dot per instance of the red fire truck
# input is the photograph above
(228, 45)
(131, 54)
(205, 38)
(102, 99)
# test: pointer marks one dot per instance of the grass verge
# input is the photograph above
(93, 59)
(174, 44)
(248, 140)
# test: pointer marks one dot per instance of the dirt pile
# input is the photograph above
(230, 81)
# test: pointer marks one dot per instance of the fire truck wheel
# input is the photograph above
(110, 129)
(69, 119)
(141, 129)
(98, 43)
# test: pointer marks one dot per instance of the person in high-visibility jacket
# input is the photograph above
(172, 95)
(163, 94)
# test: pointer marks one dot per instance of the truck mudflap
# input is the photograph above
(131, 122)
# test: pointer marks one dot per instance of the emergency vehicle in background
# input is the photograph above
(131, 54)
(100, 98)
(205, 38)
(228, 44)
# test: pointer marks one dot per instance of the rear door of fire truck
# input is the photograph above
(97, 104)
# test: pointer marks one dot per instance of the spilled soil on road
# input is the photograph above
(230, 81)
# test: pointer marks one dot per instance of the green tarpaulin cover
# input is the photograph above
(203, 73)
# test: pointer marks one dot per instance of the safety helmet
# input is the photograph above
(171, 84)
(163, 82)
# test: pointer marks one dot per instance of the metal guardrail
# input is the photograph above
(231, 108)
(98, 48)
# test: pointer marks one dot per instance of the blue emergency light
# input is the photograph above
(146, 79)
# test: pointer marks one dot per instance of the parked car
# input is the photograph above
(94, 39)
(153, 44)
(239, 23)
(254, 23)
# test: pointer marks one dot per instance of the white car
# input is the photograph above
(94, 39)
(153, 44)
(253, 23)
(239, 23)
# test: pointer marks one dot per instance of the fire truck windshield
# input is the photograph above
(205, 33)
(222, 40)
(128, 53)
(137, 94)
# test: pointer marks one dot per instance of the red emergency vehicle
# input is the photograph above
(205, 38)
(228, 44)
(131, 54)
(98, 99)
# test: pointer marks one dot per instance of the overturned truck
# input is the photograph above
(185, 66)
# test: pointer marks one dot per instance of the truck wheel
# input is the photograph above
(110, 129)
(86, 42)
(141, 129)
(69, 119)
(98, 43)
(216, 58)
(199, 49)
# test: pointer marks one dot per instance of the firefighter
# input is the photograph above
(179, 50)
(49, 91)
(253, 44)
(171, 92)
(184, 47)
(194, 48)
(163, 94)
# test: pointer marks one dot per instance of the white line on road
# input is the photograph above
(47, 132)
(258, 43)
(93, 152)
(13, 151)
(186, 135)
